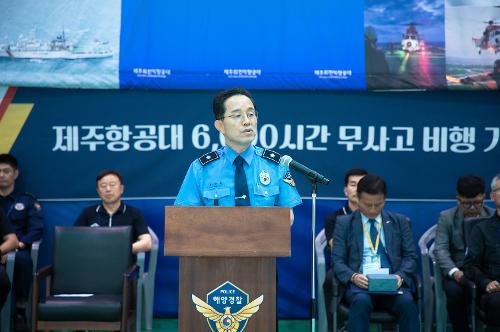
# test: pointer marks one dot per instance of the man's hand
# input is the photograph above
(21, 245)
(399, 279)
(493, 287)
(458, 275)
(360, 280)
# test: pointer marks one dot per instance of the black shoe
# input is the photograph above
(20, 323)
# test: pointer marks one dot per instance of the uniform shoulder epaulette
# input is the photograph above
(208, 157)
(271, 155)
(29, 194)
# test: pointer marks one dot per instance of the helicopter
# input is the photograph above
(490, 39)
(411, 41)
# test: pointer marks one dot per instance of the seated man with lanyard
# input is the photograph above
(375, 241)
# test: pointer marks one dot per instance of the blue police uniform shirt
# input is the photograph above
(210, 180)
(25, 215)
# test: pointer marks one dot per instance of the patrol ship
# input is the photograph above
(58, 48)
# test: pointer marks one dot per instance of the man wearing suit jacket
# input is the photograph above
(450, 244)
(372, 239)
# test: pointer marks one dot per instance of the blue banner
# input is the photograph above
(415, 140)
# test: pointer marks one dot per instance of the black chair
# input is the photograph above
(341, 309)
(92, 283)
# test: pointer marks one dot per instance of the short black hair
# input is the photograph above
(354, 172)
(219, 100)
(108, 172)
(6, 158)
(470, 186)
(372, 184)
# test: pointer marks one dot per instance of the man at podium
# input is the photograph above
(238, 174)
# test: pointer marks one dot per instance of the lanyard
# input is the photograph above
(368, 237)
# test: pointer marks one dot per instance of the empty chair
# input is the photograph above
(91, 284)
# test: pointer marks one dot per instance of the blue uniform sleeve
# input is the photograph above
(35, 222)
(289, 196)
(189, 194)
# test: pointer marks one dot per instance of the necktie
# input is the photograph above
(240, 184)
(384, 260)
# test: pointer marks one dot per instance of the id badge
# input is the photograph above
(371, 268)
(376, 259)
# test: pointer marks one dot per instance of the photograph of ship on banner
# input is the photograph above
(67, 44)
(473, 44)
(57, 48)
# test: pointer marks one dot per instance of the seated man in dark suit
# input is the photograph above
(375, 241)
(482, 261)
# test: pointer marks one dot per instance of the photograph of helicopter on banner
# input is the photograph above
(404, 44)
(473, 44)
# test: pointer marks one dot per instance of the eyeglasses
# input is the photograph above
(468, 204)
(6, 171)
(251, 115)
(112, 185)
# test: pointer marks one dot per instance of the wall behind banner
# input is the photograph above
(419, 142)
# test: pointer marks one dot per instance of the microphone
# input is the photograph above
(287, 161)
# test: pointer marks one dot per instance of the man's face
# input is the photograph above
(8, 176)
(495, 194)
(239, 124)
(110, 189)
(471, 207)
(352, 186)
(371, 205)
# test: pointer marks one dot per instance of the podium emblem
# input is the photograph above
(227, 308)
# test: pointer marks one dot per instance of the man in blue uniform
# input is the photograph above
(238, 174)
(25, 215)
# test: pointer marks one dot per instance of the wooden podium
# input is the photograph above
(219, 244)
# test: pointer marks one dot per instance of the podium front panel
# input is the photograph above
(201, 275)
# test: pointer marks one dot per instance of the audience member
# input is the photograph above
(375, 241)
(9, 243)
(113, 212)
(25, 215)
(482, 262)
(450, 244)
(351, 180)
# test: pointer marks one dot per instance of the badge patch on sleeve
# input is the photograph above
(288, 179)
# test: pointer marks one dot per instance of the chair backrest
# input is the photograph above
(91, 260)
(426, 245)
(319, 246)
(426, 239)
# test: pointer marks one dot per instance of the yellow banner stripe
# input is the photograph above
(12, 122)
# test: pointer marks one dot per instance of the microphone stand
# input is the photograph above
(314, 187)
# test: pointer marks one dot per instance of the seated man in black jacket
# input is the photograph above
(8, 242)
(482, 262)
(114, 212)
